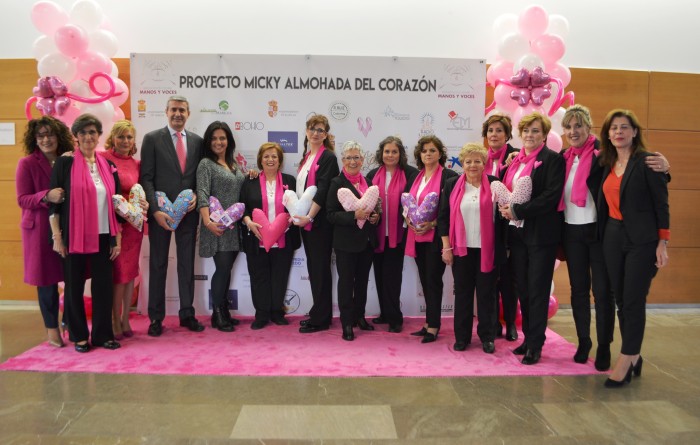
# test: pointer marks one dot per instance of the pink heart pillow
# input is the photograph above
(419, 214)
(227, 217)
(522, 191)
(131, 210)
(270, 231)
(350, 202)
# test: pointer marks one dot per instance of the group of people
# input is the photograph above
(603, 205)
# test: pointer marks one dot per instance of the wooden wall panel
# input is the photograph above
(12, 285)
(682, 149)
(671, 101)
(685, 214)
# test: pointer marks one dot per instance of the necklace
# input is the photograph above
(270, 186)
(94, 173)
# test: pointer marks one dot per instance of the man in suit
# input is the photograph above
(169, 160)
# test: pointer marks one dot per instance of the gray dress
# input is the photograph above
(216, 180)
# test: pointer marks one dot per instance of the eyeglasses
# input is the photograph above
(41, 136)
(87, 132)
(317, 130)
(353, 158)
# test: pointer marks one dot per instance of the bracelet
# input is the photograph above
(311, 218)
(56, 236)
(45, 199)
(207, 224)
(446, 250)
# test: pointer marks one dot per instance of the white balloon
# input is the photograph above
(505, 24)
(81, 88)
(529, 61)
(558, 25)
(115, 70)
(86, 13)
(57, 64)
(551, 289)
(513, 46)
(43, 46)
(556, 120)
(104, 111)
(103, 41)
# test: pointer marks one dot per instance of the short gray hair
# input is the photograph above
(177, 99)
(351, 145)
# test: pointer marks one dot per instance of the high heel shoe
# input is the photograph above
(610, 383)
(429, 337)
(584, 347)
(348, 334)
(638, 367)
(420, 333)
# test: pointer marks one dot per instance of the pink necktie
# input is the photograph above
(181, 152)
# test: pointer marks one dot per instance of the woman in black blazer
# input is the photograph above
(391, 178)
(269, 271)
(533, 245)
(423, 241)
(634, 219)
(354, 246)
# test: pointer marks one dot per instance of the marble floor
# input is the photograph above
(661, 407)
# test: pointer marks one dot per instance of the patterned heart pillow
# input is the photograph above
(131, 210)
(522, 191)
(227, 217)
(419, 214)
(299, 206)
(350, 202)
(270, 231)
(176, 210)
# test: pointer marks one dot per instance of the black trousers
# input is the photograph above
(100, 266)
(318, 246)
(468, 277)
(159, 239)
(388, 274)
(269, 275)
(430, 271)
(353, 274)
(533, 269)
(586, 266)
(504, 288)
(48, 305)
(631, 267)
(221, 279)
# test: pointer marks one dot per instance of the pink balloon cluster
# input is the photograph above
(74, 47)
(530, 86)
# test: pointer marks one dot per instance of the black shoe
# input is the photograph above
(155, 329)
(498, 329)
(430, 337)
(379, 320)
(520, 350)
(488, 347)
(532, 356)
(280, 321)
(109, 344)
(258, 324)
(363, 325)
(610, 383)
(220, 321)
(602, 358)
(85, 347)
(309, 328)
(638, 367)
(395, 328)
(584, 347)
(460, 345)
(511, 332)
(192, 324)
(348, 334)
(304, 322)
(420, 333)
(227, 315)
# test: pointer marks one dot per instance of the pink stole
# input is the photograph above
(83, 230)
(311, 177)
(579, 191)
(391, 200)
(522, 158)
(458, 234)
(358, 181)
(279, 207)
(499, 155)
(433, 185)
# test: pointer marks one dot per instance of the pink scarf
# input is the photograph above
(499, 155)
(522, 158)
(458, 234)
(357, 180)
(579, 191)
(83, 233)
(311, 177)
(391, 201)
(279, 193)
(433, 185)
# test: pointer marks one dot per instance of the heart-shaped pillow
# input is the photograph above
(176, 210)
(350, 202)
(299, 206)
(131, 210)
(419, 214)
(522, 191)
(227, 217)
(270, 231)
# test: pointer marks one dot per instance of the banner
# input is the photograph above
(269, 98)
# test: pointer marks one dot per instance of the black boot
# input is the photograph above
(220, 321)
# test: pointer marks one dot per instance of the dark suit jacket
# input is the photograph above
(410, 173)
(327, 170)
(251, 196)
(543, 222)
(160, 168)
(509, 149)
(347, 236)
(444, 216)
(643, 201)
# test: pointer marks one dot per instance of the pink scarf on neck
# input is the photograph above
(499, 155)
(579, 191)
(279, 207)
(357, 180)
(311, 177)
(458, 233)
(522, 158)
(391, 199)
(84, 227)
(433, 185)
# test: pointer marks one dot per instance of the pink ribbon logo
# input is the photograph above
(364, 126)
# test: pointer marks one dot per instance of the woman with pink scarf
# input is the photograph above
(86, 234)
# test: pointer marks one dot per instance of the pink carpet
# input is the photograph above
(283, 351)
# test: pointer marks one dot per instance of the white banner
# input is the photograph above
(270, 97)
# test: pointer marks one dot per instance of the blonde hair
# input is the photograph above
(120, 127)
(473, 148)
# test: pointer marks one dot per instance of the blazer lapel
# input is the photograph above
(170, 149)
(629, 172)
(43, 163)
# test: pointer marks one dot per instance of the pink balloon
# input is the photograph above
(554, 141)
(69, 115)
(533, 22)
(549, 47)
(71, 40)
(501, 69)
(553, 306)
(120, 87)
(118, 114)
(90, 63)
(502, 97)
(559, 70)
(47, 16)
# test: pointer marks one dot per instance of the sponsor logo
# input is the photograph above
(272, 108)
(231, 296)
(242, 162)
(370, 161)
(445, 308)
(158, 77)
(249, 126)
(452, 162)
(201, 277)
(389, 112)
(339, 111)
(427, 121)
(365, 126)
(221, 108)
(223, 105)
(297, 261)
(457, 83)
(458, 122)
(291, 301)
(141, 107)
(288, 140)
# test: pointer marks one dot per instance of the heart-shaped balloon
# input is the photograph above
(176, 210)
(521, 95)
(350, 202)
(57, 86)
(521, 78)
(42, 88)
(419, 214)
(539, 94)
(270, 232)
(131, 209)
(46, 105)
(539, 78)
(227, 217)
(522, 191)
(299, 206)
